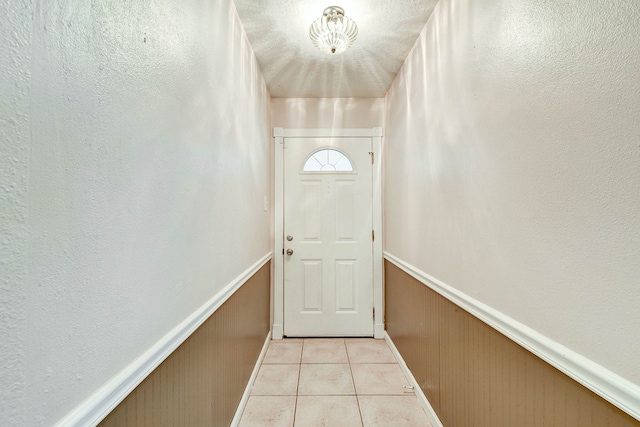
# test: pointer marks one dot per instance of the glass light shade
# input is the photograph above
(333, 33)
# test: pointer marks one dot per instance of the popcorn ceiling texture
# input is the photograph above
(293, 67)
(135, 161)
(513, 131)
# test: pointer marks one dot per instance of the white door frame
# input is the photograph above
(279, 135)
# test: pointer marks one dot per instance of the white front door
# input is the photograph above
(328, 223)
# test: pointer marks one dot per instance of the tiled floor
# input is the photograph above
(331, 382)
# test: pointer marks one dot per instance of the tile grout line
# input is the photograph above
(355, 391)
(351, 363)
(295, 405)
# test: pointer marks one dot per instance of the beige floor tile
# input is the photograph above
(324, 352)
(272, 411)
(329, 379)
(369, 351)
(307, 340)
(392, 411)
(327, 411)
(378, 378)
(283, 353)
(289, 340)
(277, 380)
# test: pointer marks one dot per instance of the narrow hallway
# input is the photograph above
(331, 382)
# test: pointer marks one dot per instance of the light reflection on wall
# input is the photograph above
(512, 132)
(327, 112)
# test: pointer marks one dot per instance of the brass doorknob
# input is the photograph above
(289, 251)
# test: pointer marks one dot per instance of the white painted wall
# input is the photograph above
(326, 113)
(15, 57)
(512, 161)
(135, 159)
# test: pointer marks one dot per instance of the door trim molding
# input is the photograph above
(279, 134)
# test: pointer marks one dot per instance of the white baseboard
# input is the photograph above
(617, 390)
(252, 379)
(97, 406)
(422, 399)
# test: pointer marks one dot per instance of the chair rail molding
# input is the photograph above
(97, 406)
(617, 390)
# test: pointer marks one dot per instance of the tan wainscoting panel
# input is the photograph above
(202, 381)
(474, 376)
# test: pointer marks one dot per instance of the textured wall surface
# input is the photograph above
(513, 131)
(137, 160)
(298, 113)
(15, 57)
(473, 375)
(202, 381)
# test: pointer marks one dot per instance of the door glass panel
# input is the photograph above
(328, 160)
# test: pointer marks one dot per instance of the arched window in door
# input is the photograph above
(328, 160)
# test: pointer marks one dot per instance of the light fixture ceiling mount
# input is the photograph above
(333, 33)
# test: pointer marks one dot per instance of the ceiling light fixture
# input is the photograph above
(333, 33)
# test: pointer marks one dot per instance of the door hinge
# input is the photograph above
(372, 156)
(373, 236)
(374, 313)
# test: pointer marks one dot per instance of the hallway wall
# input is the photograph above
(511, 166)
(327, 113)
(473, 375)
(203, 380)
(136, 140)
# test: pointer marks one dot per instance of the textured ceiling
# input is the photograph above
(293, 67)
